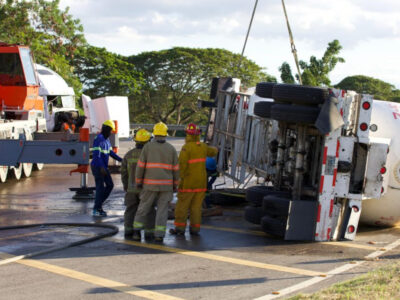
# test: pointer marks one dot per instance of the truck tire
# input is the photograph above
(27, 169)
(273, 226)
(227, 196)
(298, 94)
(295, 113)
(276, 206)
(264, 89)
(253, 214)
(255, 194)
(3, 173)
(263, 109)
(38, 166)
(17, 172)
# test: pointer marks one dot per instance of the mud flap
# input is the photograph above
(301, 221)
(376, 168)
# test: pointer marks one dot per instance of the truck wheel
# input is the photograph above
(3, 173)
(255, 194)
(253, 214)
(38, 167)
(276, 206)
(17, 172)
(295, 113)
(264, 89)
(263, 109)
(297, 94)
(27, 169)
(273, 226)
(227, 196)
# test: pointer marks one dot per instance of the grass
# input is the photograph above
(383, 283)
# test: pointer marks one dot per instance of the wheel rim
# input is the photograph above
(27, 168)
(39, 167)
(17, 172)
(3, 173)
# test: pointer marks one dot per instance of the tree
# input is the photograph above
(315, 73)
(53, 35)
(369, 85)
(103, 73)
(286, 73)
(175, 78)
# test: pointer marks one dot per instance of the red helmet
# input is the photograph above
(192, 129)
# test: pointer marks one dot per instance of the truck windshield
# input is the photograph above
(28, 66)
(11, 70)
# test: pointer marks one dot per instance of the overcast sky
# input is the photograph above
(368, 30)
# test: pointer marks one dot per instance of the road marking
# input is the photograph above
(95, 280)
(24, 235)
(350, 245)
(261, 233)
(209, 256)
(330, 274)
(236, 230)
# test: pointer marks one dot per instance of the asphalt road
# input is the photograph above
(231, 259)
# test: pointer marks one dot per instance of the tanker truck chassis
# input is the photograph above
(313, 150)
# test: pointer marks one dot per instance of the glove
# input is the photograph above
(139, 186)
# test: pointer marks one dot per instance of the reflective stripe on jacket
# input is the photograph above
(128, 169)
(101, 151)
(192, 165)
(158, 167)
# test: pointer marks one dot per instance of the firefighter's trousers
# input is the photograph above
(192, 203)
(149, 199)
(132, 201)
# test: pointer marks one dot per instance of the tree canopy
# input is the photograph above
(53, 34)
(103, 73)
(316, 72)
(175, 78)
(369, 85)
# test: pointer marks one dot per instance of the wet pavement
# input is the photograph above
(231, 259)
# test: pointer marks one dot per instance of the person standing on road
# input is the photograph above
(193, 181)
(157, 172)
(101, 151)
(128, 169)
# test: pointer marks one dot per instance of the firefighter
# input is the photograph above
(128, 168)
(68, 124)
(193, 181)
(101, 151)
(157, 173)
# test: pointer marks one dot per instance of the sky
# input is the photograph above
(368, 30)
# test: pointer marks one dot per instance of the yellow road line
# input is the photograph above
(236, 230)
(348, 245)
(209, 256)
(95, 280)
(31, 234)
(261, 233)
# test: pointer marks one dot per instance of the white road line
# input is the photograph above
(339, 270)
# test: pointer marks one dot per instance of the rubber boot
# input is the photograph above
(136, 235)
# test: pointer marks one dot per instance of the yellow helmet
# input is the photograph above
(110, 123)
(142, 135)
(160, 129)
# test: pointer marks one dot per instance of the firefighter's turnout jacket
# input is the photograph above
(158, 168)
(192, 165)
(128, 169)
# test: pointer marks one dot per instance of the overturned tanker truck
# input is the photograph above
(328, 158)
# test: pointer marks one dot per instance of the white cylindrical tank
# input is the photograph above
(386, 210)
